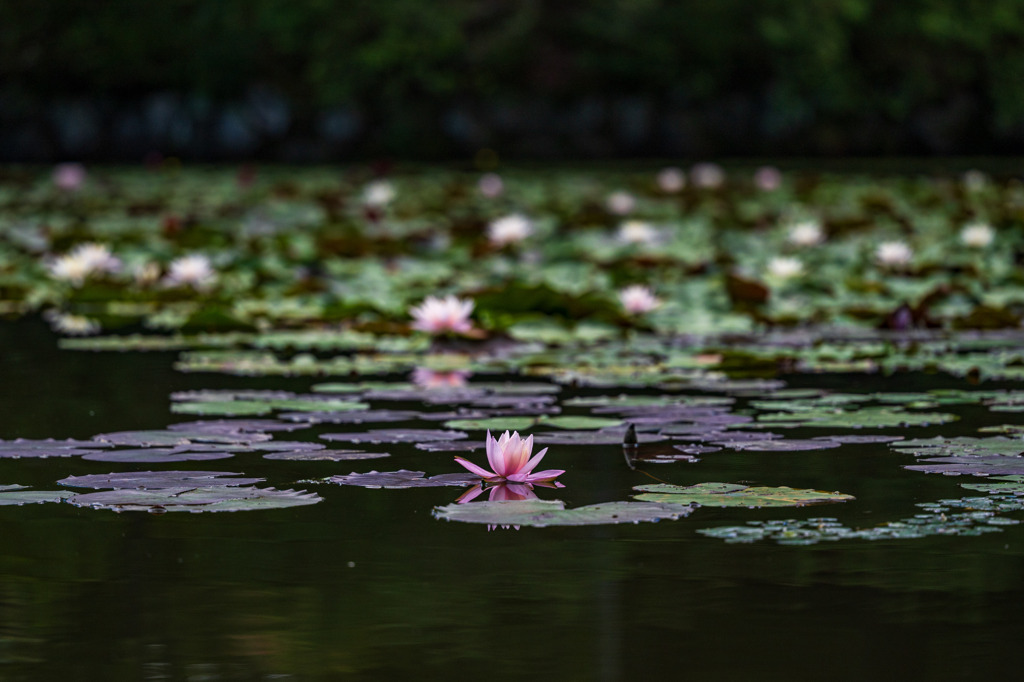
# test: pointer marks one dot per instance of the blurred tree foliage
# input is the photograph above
(829, 58)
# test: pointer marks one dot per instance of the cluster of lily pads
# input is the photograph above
(703, 252)
(679, 300)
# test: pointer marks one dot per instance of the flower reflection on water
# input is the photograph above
(504, 492)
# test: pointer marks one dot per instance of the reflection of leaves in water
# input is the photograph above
(736, 495)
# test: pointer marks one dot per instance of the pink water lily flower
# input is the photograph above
(440, 315)
(510, 458)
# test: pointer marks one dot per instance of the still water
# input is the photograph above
(368, 586)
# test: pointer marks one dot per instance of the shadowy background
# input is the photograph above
(322, 80)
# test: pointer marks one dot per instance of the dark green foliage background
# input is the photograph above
(830, 62)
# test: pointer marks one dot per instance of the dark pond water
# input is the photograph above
(368, 585)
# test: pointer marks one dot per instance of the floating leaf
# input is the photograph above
(396, 436)
(233, 427)
(325, 455)
(971, 465)
(961, 445)
(736, 495)
(404, 479)
(155, 480)
(780, 445)
(20, 497)
(21, 447)
(591, 438)
(355, 417)
(542, 513)
(215, 499)
(155, 455)
(169, 438)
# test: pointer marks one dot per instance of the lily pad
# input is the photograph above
(155, 480)
(404, 479)
(354, 417)
(20, 497)
(235, 426)
(591, 438)
(155, 455)
(736, 495)
(169, 438)
(396, 436)
(541, 513)
(325, 455)
(780, 445)
(971, 465)
(214, 499)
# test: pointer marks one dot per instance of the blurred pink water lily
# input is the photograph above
(441, 315)
(509, 457)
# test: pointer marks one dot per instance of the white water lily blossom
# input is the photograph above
(490, 185)
(82, 262)
(671, 180)
(637, 299)
(707, 175)
(977, 235)
(620, 203)
(194, 270)
(806, 233)
(637, 232)
(767, 178)
(785, 267)
(443, 315)
(893, 254)
(378, 193)
(509, 229)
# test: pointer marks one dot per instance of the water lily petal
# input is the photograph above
(473, 468)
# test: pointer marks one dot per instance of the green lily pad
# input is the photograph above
(216, 499)
(541, 513)
(20, 497)
(736, 495)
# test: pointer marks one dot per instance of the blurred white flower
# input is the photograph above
(378, 193)
(620, 203)
(69, 176)
(73, 325)
(509, 229)
(767, 178)
(145, 274)
(82, 262)
(637, 232)
(785, 267)
(806, 233)
(671, 180)
(441, 315)
(975, 180)
(977, 235)
(194, 270)
(490, 185)
(893, 254)
(637, 299)
(707, 175)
